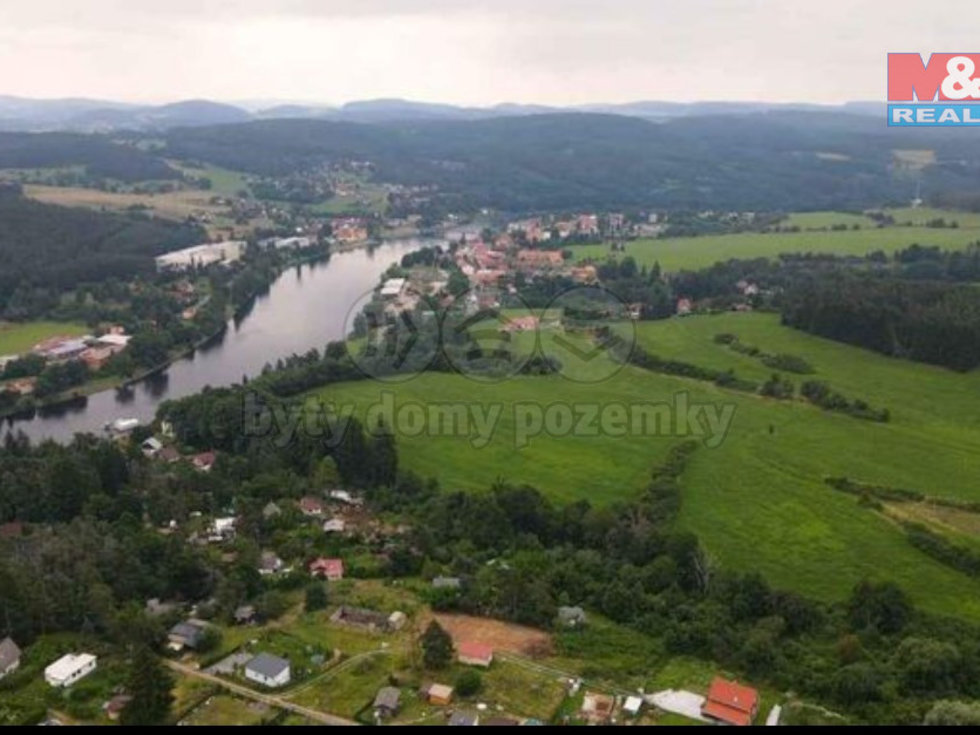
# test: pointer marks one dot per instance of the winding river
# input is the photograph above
(305, 308)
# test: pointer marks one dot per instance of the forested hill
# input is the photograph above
(770, 161)
(99, 156)
(46, 248)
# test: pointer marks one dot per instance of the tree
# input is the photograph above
(949, 712)
(437, 647)
(469, 683)
(316, 597)
(883, 607)
(150, 686)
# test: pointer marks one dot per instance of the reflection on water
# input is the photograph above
(305, 308)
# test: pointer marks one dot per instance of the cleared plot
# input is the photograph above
(502, 636)
(17, 338)
(758, 501)
(678, 253)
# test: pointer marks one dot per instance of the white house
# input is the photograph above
(334, 525)
(268, 670)
(70, 668)
(393, 287)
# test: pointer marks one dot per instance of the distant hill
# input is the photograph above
(794, 159)
(85, 115)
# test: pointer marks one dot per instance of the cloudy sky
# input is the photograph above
(469, 52)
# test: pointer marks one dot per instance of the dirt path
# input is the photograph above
(322, 717)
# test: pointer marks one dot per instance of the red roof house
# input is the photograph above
(475, 654)
(730, 702)
(310, 506)
(204, 461)
(332, 569)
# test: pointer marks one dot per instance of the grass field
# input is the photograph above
(17, 338)
(758, 501)
(807, 220)
(678, 253)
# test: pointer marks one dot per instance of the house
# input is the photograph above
(474, 653)
(310, 506)
(386, 702)
(95, 358)
(360, 617)
(203, 461)
(334, 525)
(438, 694)
(151, 447)
(188, 634)
(70, 668)
(244, 615)
(343, 496)
(464, 719)
(331, 569)
(9, 657)
(393, 288)
(597, 708)
(271, 510)
(521, 324)
(684, 307)
(447, 583)
(632, 706)
(222, 528)
(730, 703)
(571, 617)
(268, 670)
(270, 563)
(114, 707)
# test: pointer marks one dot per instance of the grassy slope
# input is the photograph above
(758, 501)
(676, 253)
(18, 338)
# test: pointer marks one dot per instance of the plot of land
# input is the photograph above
(758, 501)
(224, 709)
(679, 253)
(502, 636)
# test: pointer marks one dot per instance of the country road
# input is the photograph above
(271, 700)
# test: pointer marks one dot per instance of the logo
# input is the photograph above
(942, 90)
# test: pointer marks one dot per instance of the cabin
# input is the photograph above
(188, 634)
(447, 583)
(730, 703)
(386, 702)
(268, 670)
(474, 653)
(311, 507)
(69, 669)
(244, 615)
(359, 617)
(330, 569)
(438, 694)
(571, 617)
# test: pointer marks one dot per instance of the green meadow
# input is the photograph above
(757, 500)
(679, 253)
(16, 338)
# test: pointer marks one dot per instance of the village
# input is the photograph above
(342, 645)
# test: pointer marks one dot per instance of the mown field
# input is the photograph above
(678, 253)
(758, 501)
(19, 338)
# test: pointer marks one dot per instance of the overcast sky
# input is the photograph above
(467, 52)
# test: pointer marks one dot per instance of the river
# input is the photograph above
(306, 307)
